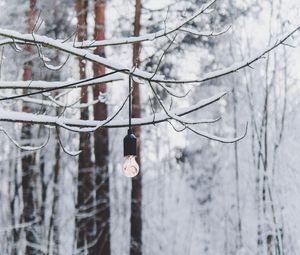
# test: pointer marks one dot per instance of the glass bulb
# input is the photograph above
(130, 167)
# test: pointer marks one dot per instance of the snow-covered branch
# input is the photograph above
(71, 84)
(85, 54)
(12, 116)
(58, 84)
(52, 43)
(52, 102)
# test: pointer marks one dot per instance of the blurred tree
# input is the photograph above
(136, 192)
(29, 171)
(101, 144)
(84, 221)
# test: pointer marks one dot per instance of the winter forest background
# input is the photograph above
(203, 187)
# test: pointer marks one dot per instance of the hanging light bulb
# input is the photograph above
(130, 166)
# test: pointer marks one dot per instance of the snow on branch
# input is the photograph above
(12, 116)
(85, 54)
(72, 84)
(53, 102)
(41, 85)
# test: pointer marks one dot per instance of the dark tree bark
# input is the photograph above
(84, 224)
(136, 193)
(101, 148)
(28, 161)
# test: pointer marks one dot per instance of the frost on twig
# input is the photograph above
(146, 37)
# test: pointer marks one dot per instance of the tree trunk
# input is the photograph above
(28, 161)
(14, 187)
(53, 224)
(136, 192)
(53, 229)
(101, 148)
(84, 224)
(239, 241)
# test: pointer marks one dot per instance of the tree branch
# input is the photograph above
(12, 116)
(43, 85)
(51, 43)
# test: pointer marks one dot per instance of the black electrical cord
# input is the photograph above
(129, 141)
(130, 102)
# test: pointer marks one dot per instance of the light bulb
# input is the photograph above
(130, 166)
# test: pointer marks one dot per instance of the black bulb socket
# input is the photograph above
(129, 144)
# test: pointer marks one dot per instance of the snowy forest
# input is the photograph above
(149, 127)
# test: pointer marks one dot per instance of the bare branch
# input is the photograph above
(237, 66)
(147, 37)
